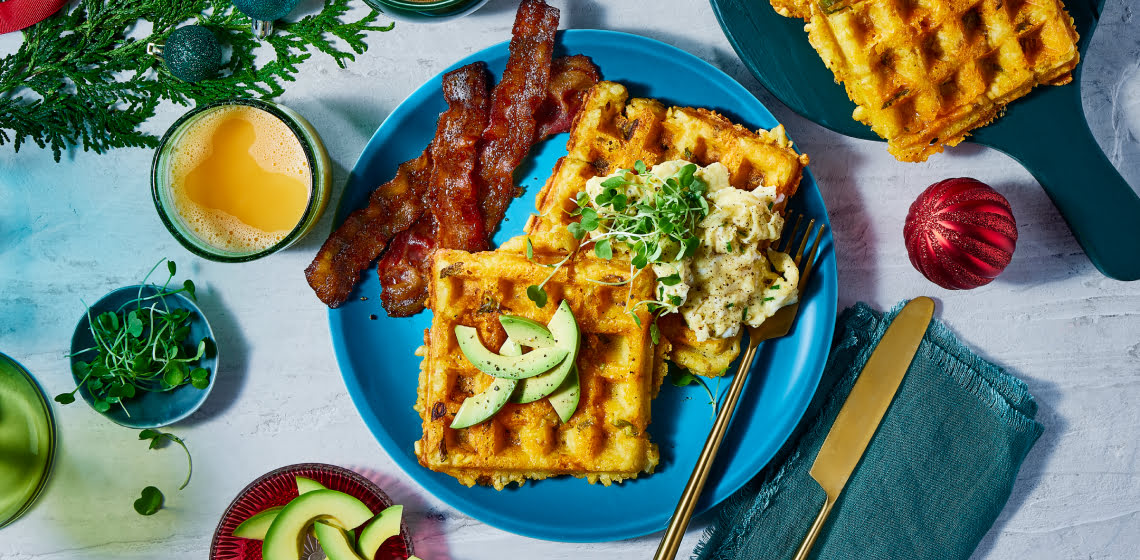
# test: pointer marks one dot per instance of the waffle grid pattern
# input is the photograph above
(612, 132)
(923, 73)
(619, 370)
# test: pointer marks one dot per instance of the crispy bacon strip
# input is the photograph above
(392, 208)
(404, 270)
(570, 78)
(454, 185)
(512, 128)
(405, 267)
(455, 220)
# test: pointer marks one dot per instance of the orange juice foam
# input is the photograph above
(240, 179)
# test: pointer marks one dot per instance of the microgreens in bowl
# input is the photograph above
(141, 346)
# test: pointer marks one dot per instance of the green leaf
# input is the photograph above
(134, 324)
(173, 268)
(671, 280)
(200, 378)
(690, 245)
(685, 174)
(188, 285)
(108, 321)
(149, 434)
(603, 250)
(636, 319)
(537, 295)
(583, 199)
(128, 392)
(576, 230)
(101, 406)
(94, 384)
(65, 398)
(617, 181)
(142, 363)
(150, 501)
(654, 333)
(639, 166)
(175, 374)
(529, 250)
(681, 378)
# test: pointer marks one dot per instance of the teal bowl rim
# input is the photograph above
(419, 6)
(53, 440)
(182, 415)
(295, 234)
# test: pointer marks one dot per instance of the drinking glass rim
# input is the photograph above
(314, 179)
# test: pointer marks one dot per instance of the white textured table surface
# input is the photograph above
(82, 227)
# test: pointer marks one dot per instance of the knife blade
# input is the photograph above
(865, 407)
(869, 399)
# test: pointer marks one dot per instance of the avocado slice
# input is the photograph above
(308, 485)
(532, 363)
(257, 524)
(334, 542)
(564, 399)
(567, 336)
(372, 536)
(527, 331)
(478, 408)
(283, 539)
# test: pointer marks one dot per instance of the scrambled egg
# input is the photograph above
(730, 279)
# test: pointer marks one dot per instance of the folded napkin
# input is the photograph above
(931, 483)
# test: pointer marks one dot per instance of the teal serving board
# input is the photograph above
(1045, 131)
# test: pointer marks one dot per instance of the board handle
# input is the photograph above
(1054, 143)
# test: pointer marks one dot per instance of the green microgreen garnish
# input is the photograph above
(682, 378)
(657, 226)
(142, 346)
(152, 499)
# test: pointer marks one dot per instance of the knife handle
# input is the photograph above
(813, 533)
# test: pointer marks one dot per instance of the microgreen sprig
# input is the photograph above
(656, 221)
(141, 346)
(151, 498)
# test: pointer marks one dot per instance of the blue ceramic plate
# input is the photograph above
(149, 409)
(381, 373)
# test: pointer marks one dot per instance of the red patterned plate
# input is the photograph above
(277, 488)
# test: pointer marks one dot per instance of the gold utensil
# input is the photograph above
(868, 401)
(774, 327)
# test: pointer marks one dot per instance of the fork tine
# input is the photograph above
(803, 242)
(788, 235)
(806, 270)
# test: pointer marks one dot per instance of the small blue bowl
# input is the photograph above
(149, 409)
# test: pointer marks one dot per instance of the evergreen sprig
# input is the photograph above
(81, 79)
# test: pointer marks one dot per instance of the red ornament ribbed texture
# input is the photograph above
(960, 233)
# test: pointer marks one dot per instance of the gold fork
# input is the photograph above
(774, 327)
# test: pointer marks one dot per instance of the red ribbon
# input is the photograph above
(18, 14)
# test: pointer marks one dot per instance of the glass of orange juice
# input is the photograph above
(237, 180)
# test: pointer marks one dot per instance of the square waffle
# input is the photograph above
(924, 73)
(619, 371)
(612, 132)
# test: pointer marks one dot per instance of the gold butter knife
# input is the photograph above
(868, 401)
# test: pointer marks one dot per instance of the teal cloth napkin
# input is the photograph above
(931, 483)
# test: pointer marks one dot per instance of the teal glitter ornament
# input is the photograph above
(191, 53)
(264, 13)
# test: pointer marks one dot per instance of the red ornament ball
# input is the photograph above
(960, 233)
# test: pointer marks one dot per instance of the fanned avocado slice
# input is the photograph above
(257, 524)
(565, 398)
(564, 329)
(484, 405)
(308, 485)
(334, 542)
(533, 363)
(385, 525)
(527, 332)
(283, 539)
